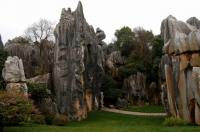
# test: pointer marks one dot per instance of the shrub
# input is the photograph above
(110, 87)
(49, 118)
(172, 121)
(60, 120)
(15, 108)
(38, 119)
(38, 91)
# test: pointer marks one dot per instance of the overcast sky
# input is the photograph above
(109, 15)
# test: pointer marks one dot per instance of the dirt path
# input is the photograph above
(133, 113)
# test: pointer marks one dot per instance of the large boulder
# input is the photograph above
(78, 64)
(114, 60)
(13, 74)
(180, 66)
(13, 70)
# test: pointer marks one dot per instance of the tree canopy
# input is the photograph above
(41, 30)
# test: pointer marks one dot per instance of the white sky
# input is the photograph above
(109, 15)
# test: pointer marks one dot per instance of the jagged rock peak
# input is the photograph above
(67, 14)
(171, 17)
(78, 64)
(194, 22)
(1, 43)
(79, 9)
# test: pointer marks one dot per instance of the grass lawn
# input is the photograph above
(109, 122)
(146, 108)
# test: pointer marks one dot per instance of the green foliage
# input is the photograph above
(157, 46)
(140, 58)
(110, 87)
(125, 40)
(60, 120)
(142, 52)
(49, 118)
(129, 69)
(38, 91)
(38, 119)
(171, 121)
(15, 108)
(3, 57)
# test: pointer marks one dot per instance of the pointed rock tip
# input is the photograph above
(171, 17)
(193, 18)
(80, 5)
(63, 11)
(80, 8)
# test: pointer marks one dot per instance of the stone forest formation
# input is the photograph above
(180, 67)
(77, 68)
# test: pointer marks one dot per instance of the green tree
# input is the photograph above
(110, 87)
(125, 39)
(157, 46)
(140, 57)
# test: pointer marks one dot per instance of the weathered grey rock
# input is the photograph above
(1, 43)
(101, 100)
(194, 22)
(153, 93)
(13, 74)
(179, 37)
(112, 61)
(135, 87)
(78, 64)
(100, 35)
(37, 58)
(170, 26)
(13, 70)
(180, 68)
(122, 103)
(40, 79)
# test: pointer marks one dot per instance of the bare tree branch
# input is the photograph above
(42, 30)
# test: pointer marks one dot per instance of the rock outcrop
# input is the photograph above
(13, 74)
(180, 68)
(1, 43)
(113, 61)
(135, 87)
(194, 22)
(37, 58)
(40, 79)
(78, 64)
